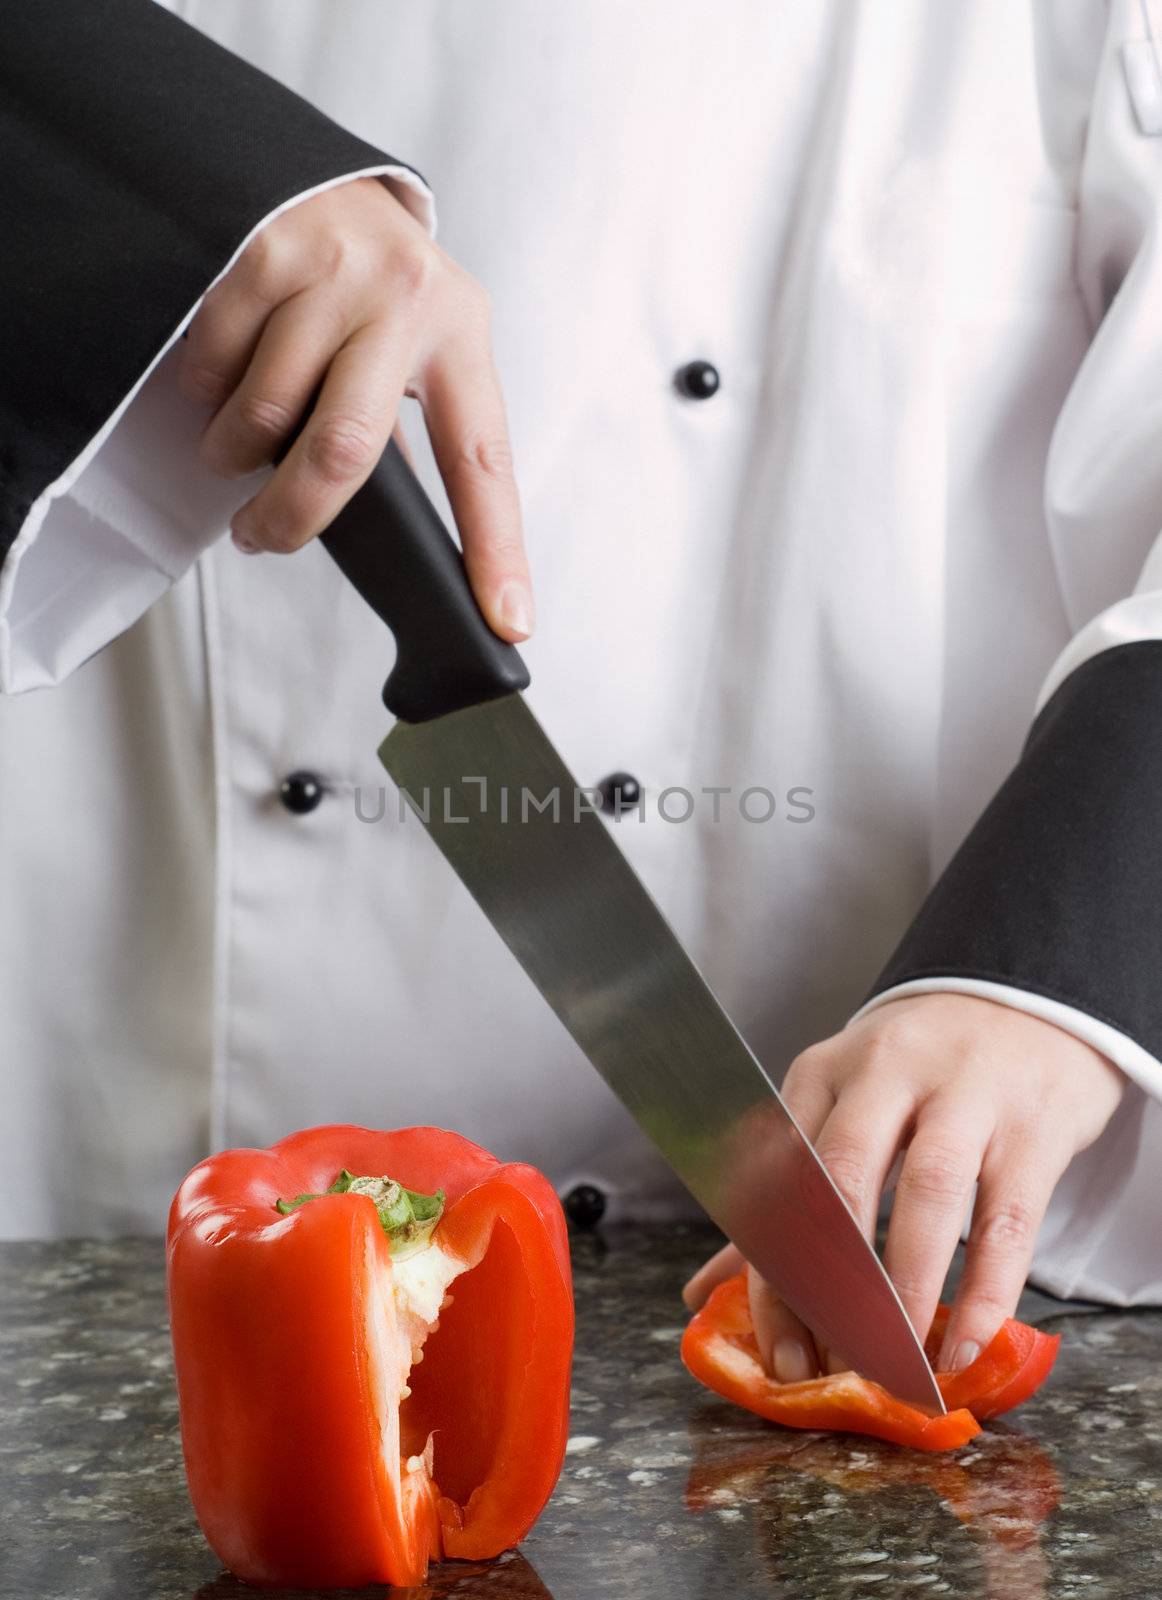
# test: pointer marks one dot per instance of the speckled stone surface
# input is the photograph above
(666, 1492)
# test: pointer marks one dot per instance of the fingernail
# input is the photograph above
(791, 1362)
(241, 542)
(966, 1353)
(516, 609)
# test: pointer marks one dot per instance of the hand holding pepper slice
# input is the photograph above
(345, 1418)
(719, 1348)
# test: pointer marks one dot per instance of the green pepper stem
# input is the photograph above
(407, 1217)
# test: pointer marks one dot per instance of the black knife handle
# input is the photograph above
(390, 542)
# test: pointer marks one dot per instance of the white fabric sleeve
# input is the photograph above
(1103, 493)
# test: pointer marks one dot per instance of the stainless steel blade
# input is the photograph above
(506, 812)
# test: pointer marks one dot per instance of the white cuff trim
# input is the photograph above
(106, 539)
(1138, 1065)
(1129, 622)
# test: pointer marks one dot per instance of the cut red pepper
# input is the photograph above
(719, 1349)
(1011, 1367)
(346, 1419)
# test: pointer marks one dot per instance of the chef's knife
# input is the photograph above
(506, 812)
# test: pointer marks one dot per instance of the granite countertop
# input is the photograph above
(667, 1492)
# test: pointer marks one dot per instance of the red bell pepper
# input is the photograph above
(1011, 1367)
(719, 1349)
(344, 1418)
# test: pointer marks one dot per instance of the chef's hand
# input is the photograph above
(348, 291)
(971, 1092)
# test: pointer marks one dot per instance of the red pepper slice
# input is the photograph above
(315, 1457)
(1014, 1364)
(719, 1348)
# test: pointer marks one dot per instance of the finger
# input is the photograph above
(786, 1348)
(336, 451)
(932, 1197)
(807, 1089)
(859, 1140)
(464, 412)
(725, 1263)
(225, 331)
(293, 352)
(1016, 1183)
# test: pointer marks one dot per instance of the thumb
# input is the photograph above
(727, 1263)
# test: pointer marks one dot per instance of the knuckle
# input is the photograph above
(489, 454)
(203, 383)
(811, 1065)
(1008, 1226)
(935, 1174)
(846, 1159)
(810, 1070)
(258, 267)
(890, 1039)
(414, 272)
(910, 1283)
(263, 418)
(335, 254)
(341, 447)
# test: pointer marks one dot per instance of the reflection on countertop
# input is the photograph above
(666, 1492)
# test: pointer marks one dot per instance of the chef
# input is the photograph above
(829, 340)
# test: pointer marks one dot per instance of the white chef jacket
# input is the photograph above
(919, 245)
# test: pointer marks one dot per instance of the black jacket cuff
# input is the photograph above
(1058, 888)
